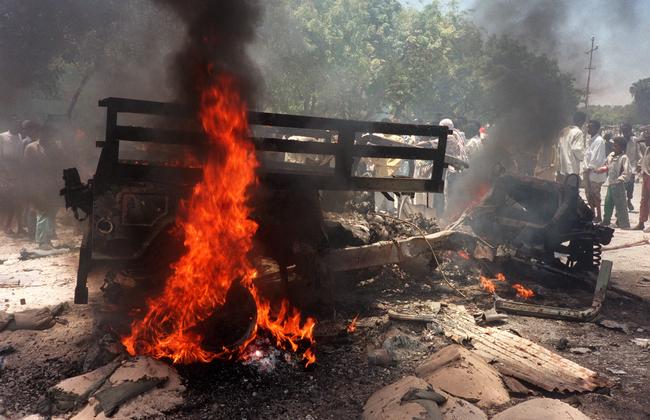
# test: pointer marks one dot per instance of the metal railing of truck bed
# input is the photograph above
(344, 151)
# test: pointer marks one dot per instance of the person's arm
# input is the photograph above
(625, 169)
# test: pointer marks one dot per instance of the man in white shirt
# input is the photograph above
(11, 144)
(633, 153)
(11, 156)
(595, 157)
(570, 148)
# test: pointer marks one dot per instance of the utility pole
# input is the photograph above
(589, 69)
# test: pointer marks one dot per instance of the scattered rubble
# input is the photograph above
(41, 253)
(616, 371)
(137, 388)
(613, 325)
(580, 350)
(422, 401)
(31, 319)
(73, 392)
(527, 361)
(516, 388)
(541, 409)
(462, 374)
(644, 343)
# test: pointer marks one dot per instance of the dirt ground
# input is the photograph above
(342, 379)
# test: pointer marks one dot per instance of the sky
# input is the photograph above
(564, 33)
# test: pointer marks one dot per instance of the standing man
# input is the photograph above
(618, 173)
(595, 157)
(43, 161)
(456, 148)
(633, 153)
(570, 148)
(644, 170)
(11, 156)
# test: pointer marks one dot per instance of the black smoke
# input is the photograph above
(529, 97)
(562, 29)
(217, 37)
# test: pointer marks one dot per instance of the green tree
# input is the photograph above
(328, 57)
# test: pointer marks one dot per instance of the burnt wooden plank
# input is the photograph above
(518, 357)
(136, 106)
(157, 135)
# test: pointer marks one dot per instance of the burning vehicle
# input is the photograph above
(132, 202)
(141, 197)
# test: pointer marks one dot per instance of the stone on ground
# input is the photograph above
(462, 374)
(149, 404)
(387, 403)
(71, 392)
(541, 409)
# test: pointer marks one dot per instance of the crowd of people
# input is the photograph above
(30, 174)
(612, 160)
(616, 159)
(461, 144)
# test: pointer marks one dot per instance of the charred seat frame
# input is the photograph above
(129, 203)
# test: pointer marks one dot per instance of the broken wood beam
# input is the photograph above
(398, 251)
(518, 357)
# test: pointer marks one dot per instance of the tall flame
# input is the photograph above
(218, 236)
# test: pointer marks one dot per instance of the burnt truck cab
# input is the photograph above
(151, 158)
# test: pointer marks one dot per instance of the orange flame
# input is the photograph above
(464, 255)
(501, 277)
(352, 327)
(218, 237)
(487, 284)
(522, 291)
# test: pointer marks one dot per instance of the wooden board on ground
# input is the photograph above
(518, 357)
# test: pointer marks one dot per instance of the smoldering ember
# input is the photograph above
(332, 209)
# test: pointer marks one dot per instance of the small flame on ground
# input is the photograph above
(464, 255)
(218, 235)
(501, 277)
(352, 327)
(522, 291)
(487, 284)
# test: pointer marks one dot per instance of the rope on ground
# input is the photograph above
(435, 258)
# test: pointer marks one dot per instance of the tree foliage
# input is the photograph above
(367, 58)
(611, 115)
(344, 58)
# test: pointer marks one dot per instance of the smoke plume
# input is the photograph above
(530, 97)
(562, 29)
(217, 37)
